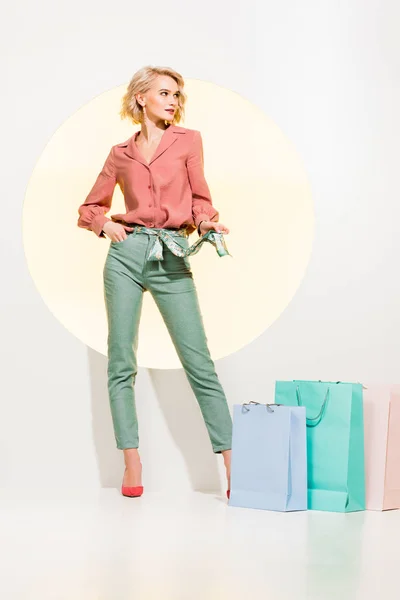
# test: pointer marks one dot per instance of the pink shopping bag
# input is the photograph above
(382, 446)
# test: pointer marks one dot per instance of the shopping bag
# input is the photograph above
(335, 441)
(269, 457)
(382, 446)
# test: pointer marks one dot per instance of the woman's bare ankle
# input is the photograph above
(131, 457)
(227, 461)
(133, 468)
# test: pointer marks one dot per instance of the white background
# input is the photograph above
(327, 72)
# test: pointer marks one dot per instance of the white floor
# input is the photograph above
(102, 546)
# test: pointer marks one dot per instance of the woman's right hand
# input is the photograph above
(115, 231)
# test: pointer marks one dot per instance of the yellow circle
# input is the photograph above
(257, 182)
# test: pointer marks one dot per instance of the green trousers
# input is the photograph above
(127, 275)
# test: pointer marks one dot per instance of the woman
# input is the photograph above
(160, 172)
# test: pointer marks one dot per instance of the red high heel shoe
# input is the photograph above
(228, 493)
(132, 492)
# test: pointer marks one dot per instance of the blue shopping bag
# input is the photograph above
(335, 441)
(269, 457)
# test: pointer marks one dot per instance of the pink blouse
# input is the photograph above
(168, 192)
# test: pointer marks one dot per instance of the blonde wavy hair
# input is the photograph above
(140, 83)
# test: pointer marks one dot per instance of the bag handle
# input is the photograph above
(314, 421)
(268, 406)
(364, 387)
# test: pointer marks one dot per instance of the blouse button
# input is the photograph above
(149, 186)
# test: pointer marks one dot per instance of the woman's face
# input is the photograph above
(162, 99)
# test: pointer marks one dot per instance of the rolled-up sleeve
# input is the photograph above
(202, 207)
(98, 201)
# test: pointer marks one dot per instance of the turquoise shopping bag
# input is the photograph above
(335, 441)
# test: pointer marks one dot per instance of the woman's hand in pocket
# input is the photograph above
(115, 231)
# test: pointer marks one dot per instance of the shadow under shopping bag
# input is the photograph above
(269, 457)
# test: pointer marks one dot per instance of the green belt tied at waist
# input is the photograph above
(167, 236)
